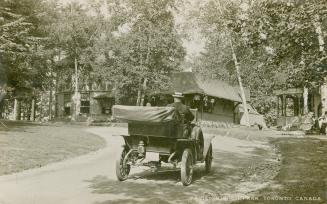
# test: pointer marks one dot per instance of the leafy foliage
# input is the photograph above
(139, 42)
(279, 44)
(22, 35)
(276, 42)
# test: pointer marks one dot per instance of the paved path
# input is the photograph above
(91, 178)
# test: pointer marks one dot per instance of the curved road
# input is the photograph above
(91, 178)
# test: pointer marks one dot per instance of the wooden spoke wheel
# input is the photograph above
(122, 168)
(187, 167)
(208, 159)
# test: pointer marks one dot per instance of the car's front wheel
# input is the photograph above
(122, 168)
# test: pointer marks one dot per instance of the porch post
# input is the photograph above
(283, 105)
(295, 105)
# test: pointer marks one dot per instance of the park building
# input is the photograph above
(294, 104)
(215, 100)
(95, 100)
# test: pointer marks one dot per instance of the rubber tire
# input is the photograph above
(122, 176)
(187, 167)
(208, 160)
(197, 135)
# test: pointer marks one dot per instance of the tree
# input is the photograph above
(140, 47)
(296, 35)
(21, 49)
(279, 44)
(72, 35)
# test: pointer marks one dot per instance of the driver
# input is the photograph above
(181, 108)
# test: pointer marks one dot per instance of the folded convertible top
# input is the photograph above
(145, 114)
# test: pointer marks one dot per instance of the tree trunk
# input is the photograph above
(50, 104)
(76, 97)
(56, 86)
(138, 100)
(145, 79)
(50, 93)
(320, 36)
(17, 110)
(278, 106)
(2, 95)
(56, 98)
(237, 67)
(246, 113)
(143, 91)
(305, 100)
(32, 118)
(323, 91)
(39, 109)
(1, 109)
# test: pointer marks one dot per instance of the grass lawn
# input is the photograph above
(27, 145)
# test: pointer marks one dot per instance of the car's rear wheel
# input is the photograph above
(187, 167)
(208, 159)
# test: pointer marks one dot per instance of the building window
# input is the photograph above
(212, 105)
(196, 102)
(85, 103)
(67, 111)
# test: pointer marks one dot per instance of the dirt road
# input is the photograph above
(239, 167)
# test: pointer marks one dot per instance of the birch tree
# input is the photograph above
(321, 40)
(279, 44)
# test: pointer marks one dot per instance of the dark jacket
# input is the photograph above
(183, 110)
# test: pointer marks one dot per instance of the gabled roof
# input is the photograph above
(185, 82)
(191, 83)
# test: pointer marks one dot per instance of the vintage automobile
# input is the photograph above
(161, 131)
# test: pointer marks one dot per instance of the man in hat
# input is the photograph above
(181, 108)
